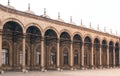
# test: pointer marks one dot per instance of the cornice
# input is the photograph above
(17, 12)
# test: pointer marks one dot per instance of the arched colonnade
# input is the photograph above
(35, 49)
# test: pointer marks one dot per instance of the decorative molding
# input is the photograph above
(17, 12)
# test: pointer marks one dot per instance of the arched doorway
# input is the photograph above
(6, 53)
(117, 54)
(77, 46)
(33, 37)
(65, 49)
(51, 49)
(20, 56)
(96, 53)
(104, 53)
(13, 34)
(87, 52)
(111, 47)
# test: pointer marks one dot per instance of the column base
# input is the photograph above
(24, 71)
(43, 69)
(71, 68)
(114, 66)
(92, 67)
(100, 67)
(75, 69)
(82, 67)
(108, 66)
(58, 69)
(1, 72)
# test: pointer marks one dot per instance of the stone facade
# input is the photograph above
(30, 42)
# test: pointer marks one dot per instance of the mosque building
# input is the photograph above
(32, 42)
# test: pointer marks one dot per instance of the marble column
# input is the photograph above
(58, 55)
(114, 56)
(92, 66)
(23, 58)
(71, 55)
(42, 55)
(100, 56)
(107, 56)
(83, 55)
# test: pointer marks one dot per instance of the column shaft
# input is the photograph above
(92, 56)
(108, 56)
(83, 55)
(58, 55)
(23, 60)
(71, 55)
(114, 56)
(42, 54)
(100, 55)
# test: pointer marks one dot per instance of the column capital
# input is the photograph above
(71, 42)
(24, 35)
(42, 38)
(58, 40)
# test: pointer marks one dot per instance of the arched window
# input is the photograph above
(20, 57)
(5, 57)
(65, 56)
(38, 57)
(53, 58)
(76, 58)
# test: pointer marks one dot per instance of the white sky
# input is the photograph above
(106, 13)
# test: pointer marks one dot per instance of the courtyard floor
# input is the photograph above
(95, 72)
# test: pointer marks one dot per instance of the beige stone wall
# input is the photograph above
(43, 25)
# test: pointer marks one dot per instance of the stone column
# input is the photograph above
(107, 56)
(42, 55)
(114, 56)
(58, 55)
(119, 56)
(100, 56)
(92, 66)
(23, 58)
(83, 55)
(71, 55)
(1, 71)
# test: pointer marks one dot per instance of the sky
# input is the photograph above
(105, 13)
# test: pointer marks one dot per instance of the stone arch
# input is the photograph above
(7, 45)
(52, 28)
(13, 20)
(87, 51)
(78, 34)
(53, 55)
(37, 45)
(37, 53)
(35, 25)
(98, 39)
(19, 47)
(77, 45)
(111, 58)
(65, 49)
(7, 42)
(88, 35)
(51, 38)
(104, 52)
(104, 39)
(96, 52)
(111, 40)
(65, 30)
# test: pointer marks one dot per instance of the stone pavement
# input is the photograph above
(96, 72)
